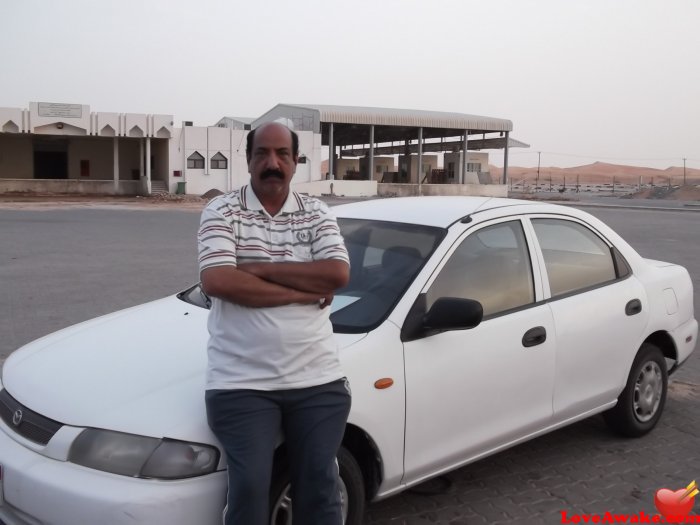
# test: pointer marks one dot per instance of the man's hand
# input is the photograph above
(326, 300)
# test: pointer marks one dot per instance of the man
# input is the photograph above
(271, 259)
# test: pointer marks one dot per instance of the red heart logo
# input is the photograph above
(673, 503)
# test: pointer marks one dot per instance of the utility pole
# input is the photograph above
(684, 159)
(537, 181)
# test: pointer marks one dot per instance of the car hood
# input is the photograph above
(140, 370)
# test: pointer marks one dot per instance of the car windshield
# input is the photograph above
(384, 259)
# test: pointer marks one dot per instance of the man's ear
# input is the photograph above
(296, 159)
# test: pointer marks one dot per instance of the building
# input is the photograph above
(67, 148)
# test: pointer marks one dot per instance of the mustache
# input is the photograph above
(271, 173)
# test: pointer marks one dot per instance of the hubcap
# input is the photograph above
(282, 511)
(647, 391)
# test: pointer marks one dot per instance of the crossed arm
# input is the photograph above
(276, 284)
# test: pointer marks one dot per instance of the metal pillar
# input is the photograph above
(465, 155)
(148, 165)
(229, 164)
(184, 154)
(420, 160)
(115, 165)
(371, 152)
(331, 152)
(142, 169)
(505, 160)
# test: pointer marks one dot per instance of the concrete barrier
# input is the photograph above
(368, 188)
(71, 186)
(412, 190)
(339, 188)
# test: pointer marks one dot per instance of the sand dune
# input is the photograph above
(601, 172)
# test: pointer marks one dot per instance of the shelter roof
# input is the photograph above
(406, 117)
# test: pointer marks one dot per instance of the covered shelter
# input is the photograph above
(367, 131)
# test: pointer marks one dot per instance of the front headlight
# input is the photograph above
(141, 456)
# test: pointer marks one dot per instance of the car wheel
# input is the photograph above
(641, 403)
(352, 493)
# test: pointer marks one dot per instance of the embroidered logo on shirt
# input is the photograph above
(304, 237)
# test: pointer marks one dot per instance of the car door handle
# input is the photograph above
(534, 336)
(633, 307)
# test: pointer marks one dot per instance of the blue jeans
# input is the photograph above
(248, 424)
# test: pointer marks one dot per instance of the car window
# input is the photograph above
(575, 257)
(385, 257)
(492, 266)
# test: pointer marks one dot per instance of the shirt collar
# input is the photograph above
(250, 201)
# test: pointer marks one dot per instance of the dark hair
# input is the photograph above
(251, 138)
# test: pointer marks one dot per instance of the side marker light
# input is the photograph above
(384, 382)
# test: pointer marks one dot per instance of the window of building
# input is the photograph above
(84, 168)
(195, 161)
(473, 166)
(492, 266)
(219, 162)
(575, 257)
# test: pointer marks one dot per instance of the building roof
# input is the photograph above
(353, 125)
(405, 117)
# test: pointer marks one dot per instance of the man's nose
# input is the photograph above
(272, 161)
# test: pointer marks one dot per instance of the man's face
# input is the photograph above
(272, 163)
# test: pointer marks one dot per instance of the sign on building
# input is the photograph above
(53, 109)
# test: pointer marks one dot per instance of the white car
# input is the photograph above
(469, 325)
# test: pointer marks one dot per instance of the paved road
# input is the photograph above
(58, 267)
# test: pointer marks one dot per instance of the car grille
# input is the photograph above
(31, 426)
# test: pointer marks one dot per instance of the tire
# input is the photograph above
(642, 401)
(352, 487)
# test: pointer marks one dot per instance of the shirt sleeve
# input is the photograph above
(216, 239)
(328, 243)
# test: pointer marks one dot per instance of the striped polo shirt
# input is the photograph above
(279, 347)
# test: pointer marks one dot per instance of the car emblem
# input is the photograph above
(17, 417)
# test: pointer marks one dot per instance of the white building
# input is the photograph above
(66, 148)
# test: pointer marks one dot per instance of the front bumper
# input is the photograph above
(39, 490)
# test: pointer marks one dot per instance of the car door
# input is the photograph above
(599, 310)
(470, 391)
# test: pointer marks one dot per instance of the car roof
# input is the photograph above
(431, 211)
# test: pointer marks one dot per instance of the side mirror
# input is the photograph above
(452, 313)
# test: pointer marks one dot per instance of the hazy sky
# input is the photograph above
(582, 80)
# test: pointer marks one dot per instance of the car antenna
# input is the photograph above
(468, 218)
